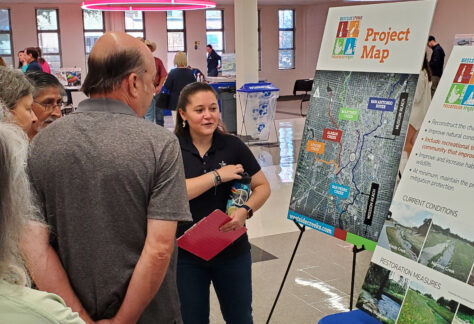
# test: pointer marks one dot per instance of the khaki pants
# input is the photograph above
(434, 84)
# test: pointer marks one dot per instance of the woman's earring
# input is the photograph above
(184, 124)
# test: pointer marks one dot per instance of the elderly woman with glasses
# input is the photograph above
(20, 304)
(47, 98)
(16, 95)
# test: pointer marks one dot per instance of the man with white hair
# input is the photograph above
(114, 198)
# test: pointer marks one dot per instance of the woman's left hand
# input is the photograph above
(239, 217)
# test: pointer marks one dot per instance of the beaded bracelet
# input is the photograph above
(217, 178)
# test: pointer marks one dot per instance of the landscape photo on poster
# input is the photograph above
(350, 152)
(382, 293)
(405, 231)
(425, 304)
(449, 248)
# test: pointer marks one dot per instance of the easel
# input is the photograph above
(355, 251)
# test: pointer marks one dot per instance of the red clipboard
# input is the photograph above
(205, 240)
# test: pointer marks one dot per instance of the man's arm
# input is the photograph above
(45, 267)
(149, 271)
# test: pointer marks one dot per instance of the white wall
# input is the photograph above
(451, 17)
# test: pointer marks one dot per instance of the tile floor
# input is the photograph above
(318, 283)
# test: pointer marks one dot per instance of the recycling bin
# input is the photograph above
(258, 103)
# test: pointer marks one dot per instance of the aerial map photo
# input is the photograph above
(352, 142)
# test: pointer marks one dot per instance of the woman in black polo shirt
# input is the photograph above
(212, 159)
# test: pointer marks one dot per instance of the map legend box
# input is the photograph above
(333, 135)
(315, 147)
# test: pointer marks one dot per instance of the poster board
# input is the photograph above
(355, 129)
(228, 64)
(422, 268)
(70, 78)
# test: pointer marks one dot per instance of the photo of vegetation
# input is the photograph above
(423, 305)
(406, 231)
(471, 278)
(382, 294)
(464, 315)
(449, 248)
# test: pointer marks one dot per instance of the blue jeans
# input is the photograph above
(232, 280)
(154, 114)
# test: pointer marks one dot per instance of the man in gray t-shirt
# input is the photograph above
(111, 188)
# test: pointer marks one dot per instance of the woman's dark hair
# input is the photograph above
(32, 51)
(20, 65)
(426, 67)
(183, 101)
(106, 74)
(40, 55)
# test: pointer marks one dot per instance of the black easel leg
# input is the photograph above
(355, 250)
(302, 229)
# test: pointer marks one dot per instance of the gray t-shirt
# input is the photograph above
(99, 175)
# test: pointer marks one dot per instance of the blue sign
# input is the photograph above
(339, 190)
(317, 225)
(382, 104)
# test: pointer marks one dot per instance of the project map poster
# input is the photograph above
(355, 129)
(422, 268)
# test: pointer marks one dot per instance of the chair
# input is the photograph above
(303, 85)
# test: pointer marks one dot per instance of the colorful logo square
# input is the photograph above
(464, 74)
(349, 46)
(354, 28)
(468, 99)
(338, 47)
(342, 29)
(455, 94)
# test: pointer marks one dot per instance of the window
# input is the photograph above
(215, 30)
(6, 51)
(134, 23)
(176, 33)
(286, 30)
(47, 26)
(93, 28)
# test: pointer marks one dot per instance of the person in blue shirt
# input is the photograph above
(31, 57)
(213, 60)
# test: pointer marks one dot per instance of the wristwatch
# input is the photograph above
(249, 211)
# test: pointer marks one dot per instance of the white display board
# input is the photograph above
(358, 118)
(228, 64)
(367, 39)
(427, 245)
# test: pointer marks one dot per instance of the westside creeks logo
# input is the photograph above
(346, 37)
(461, 92)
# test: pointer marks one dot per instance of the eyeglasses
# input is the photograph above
(50, 106)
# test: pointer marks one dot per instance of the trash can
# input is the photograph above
(227, 103)
(258, 104)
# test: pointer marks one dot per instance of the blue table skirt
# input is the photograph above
(352, 317)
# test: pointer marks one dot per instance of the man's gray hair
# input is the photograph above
(13, 86)
(16, 205)
(106, 74)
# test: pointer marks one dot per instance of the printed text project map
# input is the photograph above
(349, 158)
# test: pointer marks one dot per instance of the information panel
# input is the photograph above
(422, 268)
(357, 120)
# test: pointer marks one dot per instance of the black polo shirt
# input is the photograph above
(225, 149)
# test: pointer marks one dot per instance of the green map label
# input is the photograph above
(349, 114)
